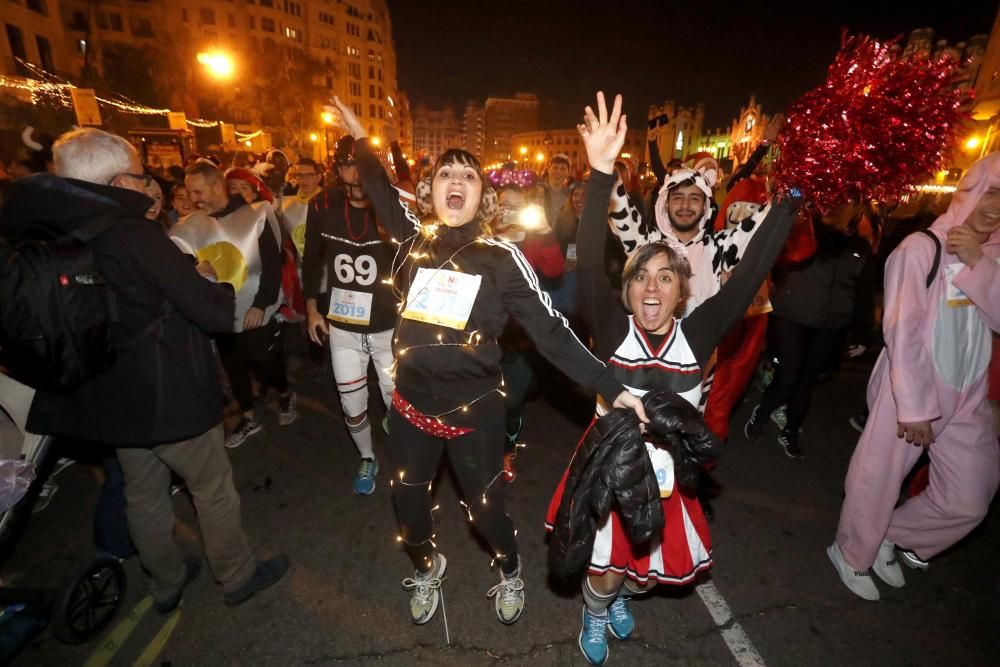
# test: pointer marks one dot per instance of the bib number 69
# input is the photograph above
(361, 269)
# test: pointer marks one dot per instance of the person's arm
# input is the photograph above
(209, 305)
(399, 163)
(550, 331)
(597, 303)
(625, 218)
(770, 136)
(270, 274)
(655, 161)
(710, 321)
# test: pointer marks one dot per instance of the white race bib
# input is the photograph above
(439, 296)
(663, 465)
(571, 252)
(956, 297)
(350, 307)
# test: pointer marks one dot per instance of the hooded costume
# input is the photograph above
(933, 368)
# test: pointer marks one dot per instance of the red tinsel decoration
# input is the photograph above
(878, 125)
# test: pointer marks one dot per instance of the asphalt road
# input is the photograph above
(772, 597)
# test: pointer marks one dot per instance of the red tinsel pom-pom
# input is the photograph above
(878, 125)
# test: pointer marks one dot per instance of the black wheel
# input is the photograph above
(89, 601)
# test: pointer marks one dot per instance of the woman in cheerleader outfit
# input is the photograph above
(650, 348)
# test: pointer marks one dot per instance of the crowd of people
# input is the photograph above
(464, 297)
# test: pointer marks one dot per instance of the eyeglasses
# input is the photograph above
(310, 174)
(145, 178)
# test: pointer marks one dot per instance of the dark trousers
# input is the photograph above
(477, 460)
(111, 534)
(801, 352)
(261, 350)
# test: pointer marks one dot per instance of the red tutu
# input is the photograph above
(675, 556)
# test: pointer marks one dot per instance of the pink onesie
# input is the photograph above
(934, 367)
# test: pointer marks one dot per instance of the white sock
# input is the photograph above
(361, 434)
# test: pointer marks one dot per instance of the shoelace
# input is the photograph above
(619, 610)
(422, 587)
(508, 590)
(367, 469)
(594, 628)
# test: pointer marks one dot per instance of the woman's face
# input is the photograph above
(156, 193)
(237, 186)
(456, 191)
(577, 198)
(653, 294)
(182, 202)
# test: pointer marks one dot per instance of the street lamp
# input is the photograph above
(327, 118)
(973, 142)
(376, 141)
(218, 63)
(523, 150)
(313, 137)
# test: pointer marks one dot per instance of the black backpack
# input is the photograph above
(56, 310)
(932, 274)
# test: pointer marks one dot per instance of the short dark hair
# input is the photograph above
(678, 264)
(562, 159)
(205, 169)
(509, 187)
(307, 162)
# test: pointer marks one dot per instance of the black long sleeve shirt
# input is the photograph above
(440, 369)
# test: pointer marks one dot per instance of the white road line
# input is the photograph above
(736, 639)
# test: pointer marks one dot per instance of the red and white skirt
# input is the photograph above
(675, 556)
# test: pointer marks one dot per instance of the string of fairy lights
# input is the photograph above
(417, 245)
(50, 90)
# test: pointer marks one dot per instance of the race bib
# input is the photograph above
(350, 307)
(956, 297)
(439, 296)
(663, 466)
(571, 252)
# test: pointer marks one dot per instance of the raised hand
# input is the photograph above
(603, 136)
(344, 117)
(963, 242)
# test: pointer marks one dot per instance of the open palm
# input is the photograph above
(603, 136)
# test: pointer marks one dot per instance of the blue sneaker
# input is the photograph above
(620, 620)
(594, 638)
(364, 481)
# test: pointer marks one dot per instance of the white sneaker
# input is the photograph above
(886, 565)
(912, 560)
(860, 583)
(426, 591)
(509, 596)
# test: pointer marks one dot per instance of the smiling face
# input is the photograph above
(654, 290)
(156, 193)
(685, 206)
(456, 191)
(238, 186)
(985, 218)
(578, 198)
(181, 202)
(558, 173)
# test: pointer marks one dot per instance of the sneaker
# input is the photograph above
(887, 565)
(45, 497)
(780, 417)
(509, 596)
(61, 465)
(912, 560)
(192, 567)
(288, 409)
(789, 441)
(426, 591)
(267, 573)
(594, 637)
(755, 425)
(509, 472)
(858, 582)
(243, 430)
(620, 621)
(858, 421)
(364, 481)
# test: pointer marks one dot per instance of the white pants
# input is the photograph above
(350, 353)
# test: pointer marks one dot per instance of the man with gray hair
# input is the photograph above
(160, 403)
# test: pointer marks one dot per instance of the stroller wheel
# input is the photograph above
(90, 601)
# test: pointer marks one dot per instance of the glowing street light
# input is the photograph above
(524, 150)
(327, 117)
(540, 157)
(313, 137)
(218, 63)
(973, 142)
(376, 141)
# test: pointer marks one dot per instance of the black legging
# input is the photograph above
(802, 353)
(262, 349)
(477, 459)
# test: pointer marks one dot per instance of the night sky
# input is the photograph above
(648, 50)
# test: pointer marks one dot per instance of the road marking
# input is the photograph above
(736, 639)
(109, 647)
(151, 651)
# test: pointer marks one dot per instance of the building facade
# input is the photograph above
(747, 131)
(503, 117)
(675, 129)
(474, 128)
(533, 150)
(435, 131)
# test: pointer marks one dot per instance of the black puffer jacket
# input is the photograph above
(611, 468)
